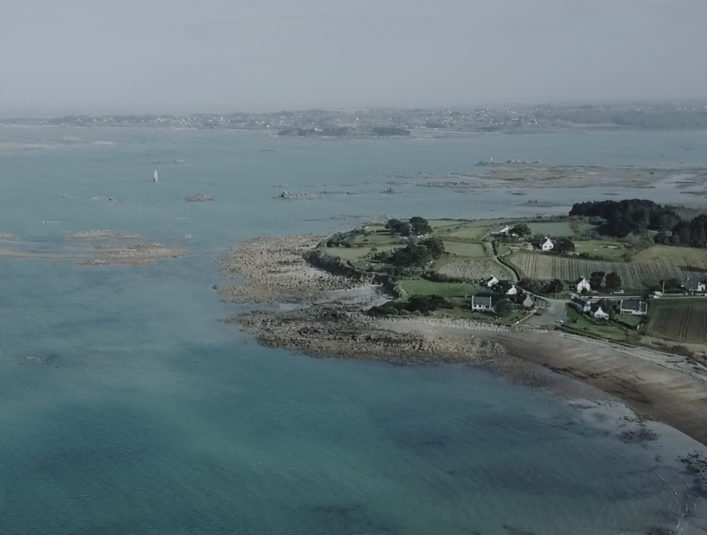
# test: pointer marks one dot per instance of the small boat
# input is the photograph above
(155, 176)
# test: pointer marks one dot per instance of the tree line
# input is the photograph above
(628, 216)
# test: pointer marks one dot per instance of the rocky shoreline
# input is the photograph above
(320, 315)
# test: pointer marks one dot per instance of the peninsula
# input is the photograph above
(622, 309)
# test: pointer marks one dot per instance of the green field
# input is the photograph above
(681, 320)
(603, 249)
(464, 230)
(472, 268)
(554, 228)
(582, 324)
(476, 250)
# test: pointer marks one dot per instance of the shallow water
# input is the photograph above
(127, 406)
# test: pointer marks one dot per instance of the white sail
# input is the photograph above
(155, 176)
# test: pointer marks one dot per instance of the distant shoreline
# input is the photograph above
(319, 315)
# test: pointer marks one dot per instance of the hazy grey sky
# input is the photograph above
(243, 55)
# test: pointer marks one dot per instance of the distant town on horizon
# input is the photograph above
(401, 122)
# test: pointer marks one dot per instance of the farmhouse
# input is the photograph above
(491, 281)
(695, 285)
(583, 305)
(483, 303)
(527, 302)
(505, 231)
(635, 307)
(547, 245)
(583, 286)
(600, 314)
(513, 290)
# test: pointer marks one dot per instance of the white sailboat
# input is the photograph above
(155, 176)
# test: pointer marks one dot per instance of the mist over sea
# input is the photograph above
(128, 406)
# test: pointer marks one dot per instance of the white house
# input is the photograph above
(483, 303)
(527, 302)
(513, 290)
(504, 231)
(600, 314)
(491, 281)
(583, 286)
(547, 245)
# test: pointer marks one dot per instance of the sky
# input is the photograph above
(184, 56)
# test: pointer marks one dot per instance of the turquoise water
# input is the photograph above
(127, 406)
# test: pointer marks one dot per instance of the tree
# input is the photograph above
(503, 307)
(521, 229)
(671, 284)
(420, 225)
(502, 287)
(596, 279)
(563, 245)
(434, 245)
(554, 286)
(531, 285)
(613, 281)
(398, 227)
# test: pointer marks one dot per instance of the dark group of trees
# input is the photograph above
(638, 215)
(628, 216)
(692, 233)
(423, 304)
(538, 287)
(416, 226)
(609, 281)
(563, 245)
(415, 254)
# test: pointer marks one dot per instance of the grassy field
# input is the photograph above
(558, 228)
(604, 249)
(598, 328)
(472, 268)
(476, 250)
(464, 230)
(682, 320)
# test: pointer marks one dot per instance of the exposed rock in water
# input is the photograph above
(199, 197)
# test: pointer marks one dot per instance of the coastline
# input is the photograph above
(318, 314)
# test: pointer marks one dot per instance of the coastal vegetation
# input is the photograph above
(496, 270)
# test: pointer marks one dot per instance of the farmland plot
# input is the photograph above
(465, 249)
(682, 320)
(546, 267)
(642, 272)
(472, 268)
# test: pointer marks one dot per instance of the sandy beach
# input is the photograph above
(323, 319)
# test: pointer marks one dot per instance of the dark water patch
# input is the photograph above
(512, 530)
(352, 518)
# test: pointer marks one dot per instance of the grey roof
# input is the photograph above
(483, 300)
(634, 304)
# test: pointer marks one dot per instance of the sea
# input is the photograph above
(128, 405)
